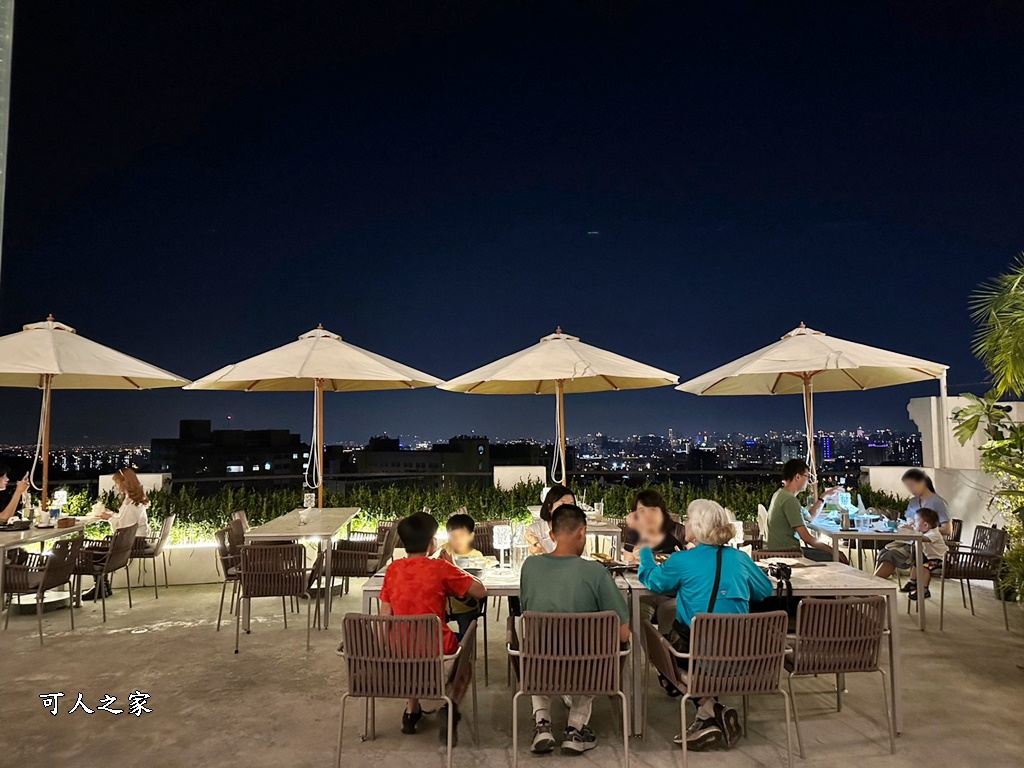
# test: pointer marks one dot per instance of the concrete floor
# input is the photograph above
(275, 704)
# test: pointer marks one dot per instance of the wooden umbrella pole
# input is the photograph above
(320, 440)
(812, 459)
(560, 385)
(44, 493)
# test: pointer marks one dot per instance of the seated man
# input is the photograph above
(420, 584)
(786, 528)
(563, 582)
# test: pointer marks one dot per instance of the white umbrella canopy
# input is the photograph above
(805, 361)
(559, 364)
(318, 361)
(51, 355)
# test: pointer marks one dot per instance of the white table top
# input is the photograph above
(834, 530)
(323, 524)
(822, 579)
(33, 535)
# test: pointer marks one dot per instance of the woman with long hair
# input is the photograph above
(131, 511)
(923, 496)
(538, 535)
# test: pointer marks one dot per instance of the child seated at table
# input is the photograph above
(898, 555)
(460, 528)
(420, 584)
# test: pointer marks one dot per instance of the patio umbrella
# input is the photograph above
(319, 361)
(805, 361)
(558, 365)
(51, 355)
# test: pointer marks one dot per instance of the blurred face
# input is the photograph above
(916, 487)
(649, 518)
(460, 540)
(799, 483)
(921, 525)
(119, 483)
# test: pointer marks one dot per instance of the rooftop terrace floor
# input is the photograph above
(275, 704)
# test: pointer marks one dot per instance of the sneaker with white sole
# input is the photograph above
(702, 735)
(543, 740)
(578, 740)
(728, 719)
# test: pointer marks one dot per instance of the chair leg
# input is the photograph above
(888, 714)
(71, 607)
(796, 721)
(156, 581)
(625, 728)
(963, 595)
(284, 611)
(999, 597)
(7, 617)
(238, 624)
(970, 596)
(487, 679)
(220, 612)
(309, 619)
(942, 601)
(746, 700)
(341, 728)
(101, 588)
(789, 736)
(682, 728)
(128, 582)
(515, 729)
(233, 605)
(39, 616)
(451, 719)
(167, 583)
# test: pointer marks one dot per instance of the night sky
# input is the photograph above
(197, 182)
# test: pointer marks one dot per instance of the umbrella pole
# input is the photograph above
(320, 441)
(44, 492)
(812, 459)
(560, 406)
(943, 423)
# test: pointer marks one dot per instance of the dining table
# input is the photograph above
(32, 535)
(321, 525)
(837, 533)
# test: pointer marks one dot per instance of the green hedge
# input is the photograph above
(199, 516)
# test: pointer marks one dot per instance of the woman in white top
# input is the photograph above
(538, 535)
(132, 511)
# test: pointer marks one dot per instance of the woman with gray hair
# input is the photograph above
(710, 578)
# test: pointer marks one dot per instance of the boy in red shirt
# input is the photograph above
(420, 584)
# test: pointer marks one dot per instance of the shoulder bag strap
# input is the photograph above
(718, 579)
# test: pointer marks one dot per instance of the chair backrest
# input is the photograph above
(236, 536)
(957, 529)
(762, 521)
(387, 547)
(838, 636)
(271, 570)
(657, 647)
(736, 654)
(752, 535)
(483, 537)
(989, 540)
(767, 554)
(569, 653)
(120, 549)
(165, 534)
(394, 657)
(384, 528)
(243, 518)
(61, 563)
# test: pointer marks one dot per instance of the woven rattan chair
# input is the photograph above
(752, 536)
(569, 654)
(273, 570)
(838, 637)
(101, 558)
(730, 655)
(360, 558)
(241, 517)
(40, 573)
(982, 561)
(153, 548)
(953, 539)
(399, 657)
(768, 554)
(229, 563)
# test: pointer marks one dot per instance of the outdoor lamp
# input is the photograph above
(501, 537)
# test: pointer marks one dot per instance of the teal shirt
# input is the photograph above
(569, 584)
(691, 575)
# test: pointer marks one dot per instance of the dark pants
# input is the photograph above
(463, 620)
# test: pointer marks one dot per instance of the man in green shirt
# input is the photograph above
(786, 527)
(563, 582)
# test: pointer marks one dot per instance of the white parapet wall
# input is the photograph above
(507, 478)
(967, 491)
